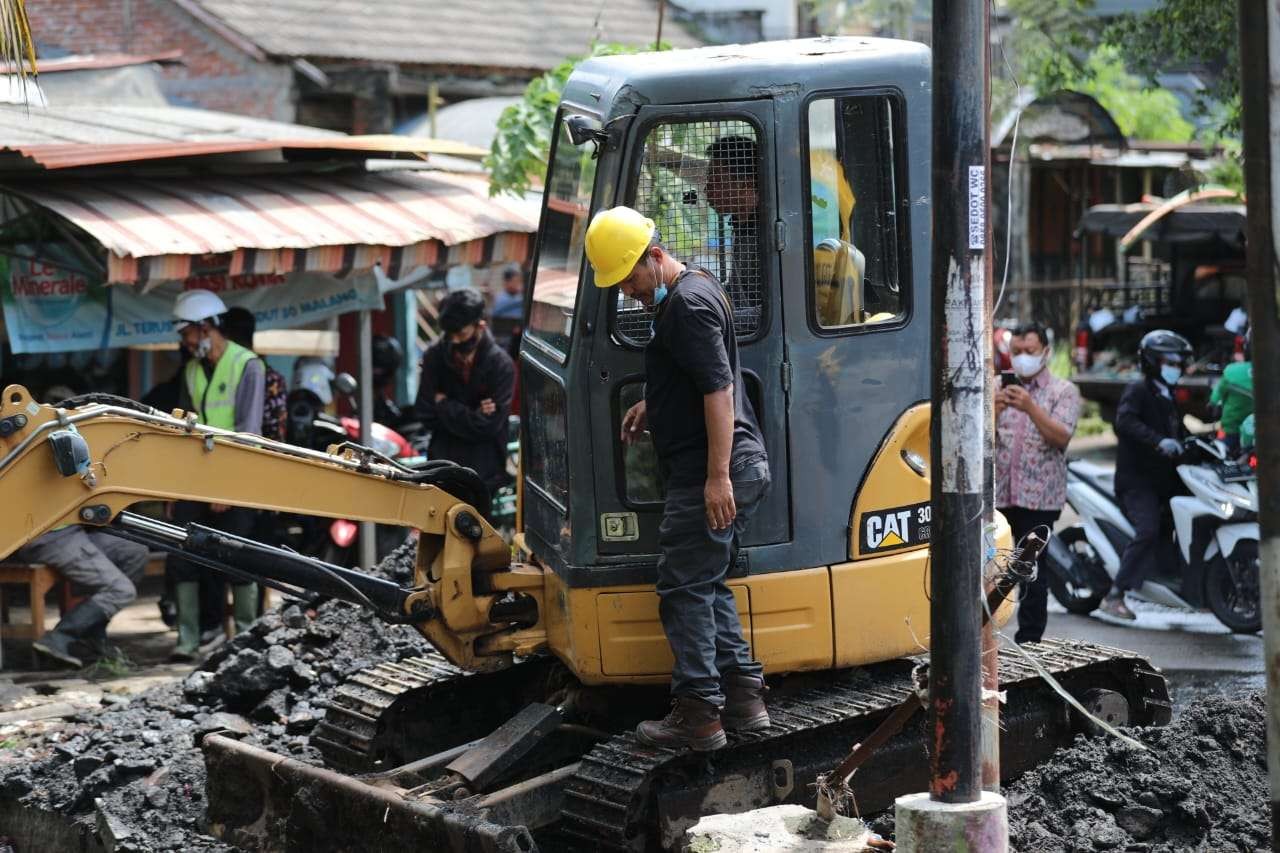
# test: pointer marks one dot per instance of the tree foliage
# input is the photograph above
(1058, 44)
(1141, 112)
(1187, 33)
(518, 157)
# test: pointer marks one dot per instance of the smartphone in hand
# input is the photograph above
(1008, 377)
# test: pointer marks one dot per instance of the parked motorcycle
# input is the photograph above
(1215, 530)
(309, 425)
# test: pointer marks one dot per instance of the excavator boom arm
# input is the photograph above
(88, 464)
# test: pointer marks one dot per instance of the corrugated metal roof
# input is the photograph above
(115, 125)
(160, 230)
(95, 61)
(69, 136)
(524, 34)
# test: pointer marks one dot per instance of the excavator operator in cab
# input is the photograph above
(712, 458)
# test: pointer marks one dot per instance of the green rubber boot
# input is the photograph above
(188, 596)
(244, 598)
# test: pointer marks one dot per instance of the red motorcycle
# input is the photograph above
(310, 426)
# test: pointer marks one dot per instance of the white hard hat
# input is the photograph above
(193, 306)
(312, 374)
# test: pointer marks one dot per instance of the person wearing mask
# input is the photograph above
(224, 386)
(712, 458)
(1232, 397)
(1035, 419)
(1150, 433)
(465, 390)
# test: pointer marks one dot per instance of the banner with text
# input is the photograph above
(50, 307)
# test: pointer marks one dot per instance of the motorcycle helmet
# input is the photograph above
(314, 375)
(1160, 346)
(388, 355)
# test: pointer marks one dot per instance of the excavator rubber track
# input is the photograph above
(610, 802)
(348, 734)
(392, 713)
(616, 793)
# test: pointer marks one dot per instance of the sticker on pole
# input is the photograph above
(899, 527)
(977, 208)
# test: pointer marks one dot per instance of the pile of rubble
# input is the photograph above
(1201, 784)
(134, 772)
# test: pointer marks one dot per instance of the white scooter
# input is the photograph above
(1216, 528)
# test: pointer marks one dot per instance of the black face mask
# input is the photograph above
(465, 347)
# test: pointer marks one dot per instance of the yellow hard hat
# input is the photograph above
(616, 240)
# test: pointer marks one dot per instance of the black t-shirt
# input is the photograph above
(693, 353)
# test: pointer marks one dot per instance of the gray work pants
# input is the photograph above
(696, 605)
(107, 566)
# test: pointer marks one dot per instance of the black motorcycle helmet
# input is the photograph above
(460, 309)
(388, 355)
(1162, 346)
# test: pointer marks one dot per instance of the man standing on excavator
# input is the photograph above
(712, 458)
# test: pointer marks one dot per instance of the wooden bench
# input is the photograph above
(39, 579)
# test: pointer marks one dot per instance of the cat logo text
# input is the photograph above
(899, 527)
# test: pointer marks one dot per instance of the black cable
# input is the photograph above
(97, 398)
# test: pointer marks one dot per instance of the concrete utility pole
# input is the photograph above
(1260, 98)
(367, 543)
(956, 809)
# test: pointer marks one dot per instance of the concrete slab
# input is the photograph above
(778, 828)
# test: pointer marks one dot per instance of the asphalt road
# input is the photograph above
(1194, 650)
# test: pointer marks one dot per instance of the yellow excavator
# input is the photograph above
(515, 733)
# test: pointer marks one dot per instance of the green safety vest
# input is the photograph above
(213, 398)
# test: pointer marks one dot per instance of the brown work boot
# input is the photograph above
(692, 723)
(744, 709)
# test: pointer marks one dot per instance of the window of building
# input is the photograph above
(852, 206)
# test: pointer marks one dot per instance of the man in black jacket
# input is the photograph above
(1150, 430)
(464, 392)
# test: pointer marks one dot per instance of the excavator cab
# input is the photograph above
(790, 175)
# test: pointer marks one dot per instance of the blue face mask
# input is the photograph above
(1170, 374)
(659, 292)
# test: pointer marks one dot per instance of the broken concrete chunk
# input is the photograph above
(280, 658)
(1139, 821)
(113, 832)
(221, 721)
(272, 709)
(786, 827)
(86, 764)
(293, 617)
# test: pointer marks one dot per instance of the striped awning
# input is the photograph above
(157, 229)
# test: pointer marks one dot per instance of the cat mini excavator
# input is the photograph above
(799, 173)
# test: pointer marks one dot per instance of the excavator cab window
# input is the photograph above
(564, 226)
(852, 205)
(699, 181)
